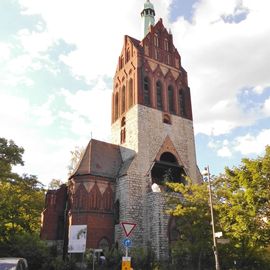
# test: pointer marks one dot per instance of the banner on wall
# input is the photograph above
(77, 238)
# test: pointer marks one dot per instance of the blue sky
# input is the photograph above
(58, 58)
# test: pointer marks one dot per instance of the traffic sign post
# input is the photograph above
(127, 243)
(126, 263)
(128, 227)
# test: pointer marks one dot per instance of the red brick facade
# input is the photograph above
(87, 200)
(149, 73)
(92, 205)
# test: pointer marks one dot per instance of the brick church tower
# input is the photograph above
(152, 123)
(152, 139)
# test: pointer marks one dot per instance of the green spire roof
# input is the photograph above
(148, 4)
(148, 15)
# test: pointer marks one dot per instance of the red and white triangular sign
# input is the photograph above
(128, 227)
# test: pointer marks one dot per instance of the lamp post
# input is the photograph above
(207, 174)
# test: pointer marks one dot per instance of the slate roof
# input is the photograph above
(100, 159)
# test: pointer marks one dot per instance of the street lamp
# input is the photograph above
(207, 174)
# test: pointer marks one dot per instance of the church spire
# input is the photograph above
(148, 16)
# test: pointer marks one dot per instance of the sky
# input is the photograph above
(58, 59)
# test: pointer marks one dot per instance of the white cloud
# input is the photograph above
(95, 28)
(245, 145)
(222, 59)
(222, 148)
(4, 51)
(266, 107)
(224, 152)
(253, 144)
(90, 112)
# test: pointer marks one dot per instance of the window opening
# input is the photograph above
(128, 55)
(170, 99)
(167, 119)
(116, 212)
(167, 169)
(123, 99)
(182, 105)
(156, 41)
(146, 91)
(130, 93)
(159, 95)
(116, 106)
(123, 131)
(166, 45)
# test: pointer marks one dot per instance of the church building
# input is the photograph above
(152, 142)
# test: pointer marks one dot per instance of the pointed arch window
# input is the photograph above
(116, 103)
(123, 107)
(166, 44)
(159, 95)
(123, 131)
(181, 102)
(146, 91)
(170, 99)
(128, 55)
(156, 41)
(130, 95)
(117, 212)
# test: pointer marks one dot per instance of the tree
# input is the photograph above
(55, 184)
(76, 155)
(10, 155)
(244, 211)
(22, 197)
(189, 204)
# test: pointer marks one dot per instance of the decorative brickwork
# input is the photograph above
(152, 136)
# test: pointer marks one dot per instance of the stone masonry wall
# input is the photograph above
(145, 135)
(156, 224)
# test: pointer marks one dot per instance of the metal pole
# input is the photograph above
(212, 220)
(93, 259)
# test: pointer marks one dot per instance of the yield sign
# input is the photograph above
(128, 227)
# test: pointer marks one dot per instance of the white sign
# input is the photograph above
(77, 238)
(128, 227)
(218, 234)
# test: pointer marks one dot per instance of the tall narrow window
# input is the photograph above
(159, 95)
(166, 44)
(116, 111)
(168, 59)
(146, 91)
(123, 99)
(156, 54)
(130, 96)
(123, 131)
(156, 43)
(181, 101)
(127, 55)
(170, 99)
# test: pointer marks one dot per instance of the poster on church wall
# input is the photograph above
(77, 238)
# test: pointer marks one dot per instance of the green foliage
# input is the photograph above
(241, 200)
(20, 206)
(21, 203)
(143, 259)
(244, 211)
(113, 260)
(10, 155)
(189, 205)
(28, 246)
(55, 184)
